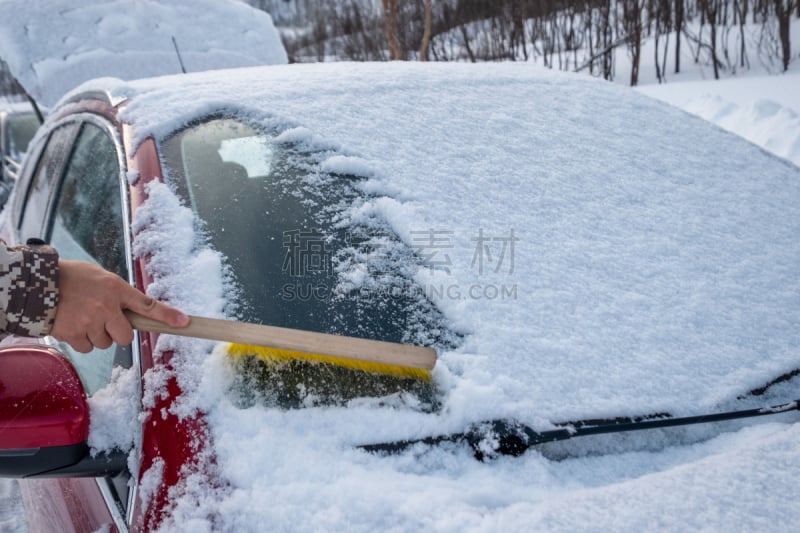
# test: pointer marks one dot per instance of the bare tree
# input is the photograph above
(679, 22)
(518, 40)
(661, 16)
(426, 34)
(396, 51)
(632, 22)
(709, 10)
(740, 8)
(606, 35)
(563, 34)
(783, 12)
(467, 47)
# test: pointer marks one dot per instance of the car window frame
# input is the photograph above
(122, 512)
(57, 195)
(36, 151)
(3, 137)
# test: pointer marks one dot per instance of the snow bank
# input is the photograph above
(763, 110)
(12, 513)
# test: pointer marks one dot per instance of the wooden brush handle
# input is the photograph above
(390, 353)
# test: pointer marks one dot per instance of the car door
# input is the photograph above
(78, 202)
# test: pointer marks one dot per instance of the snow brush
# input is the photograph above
(303, 362)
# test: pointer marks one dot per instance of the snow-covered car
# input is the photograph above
(18, 124)
(577, 253)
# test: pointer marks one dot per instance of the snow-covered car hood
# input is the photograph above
(602, 254)
(51, 47)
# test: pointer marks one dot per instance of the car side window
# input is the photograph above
(31, 204)
(87, 224)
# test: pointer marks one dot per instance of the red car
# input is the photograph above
(50, 436)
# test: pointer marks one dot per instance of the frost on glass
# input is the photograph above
(296, 259)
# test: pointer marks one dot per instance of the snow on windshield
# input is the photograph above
(595, 249)
(53, 46)
(253, 153)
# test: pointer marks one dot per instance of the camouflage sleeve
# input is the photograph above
(28, 290)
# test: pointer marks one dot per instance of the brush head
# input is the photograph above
(280, 355)
(289, 379)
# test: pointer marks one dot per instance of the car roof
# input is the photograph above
(602, 253)
(15, 107)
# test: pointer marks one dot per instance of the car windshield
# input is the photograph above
(21, 128)
(293, 257)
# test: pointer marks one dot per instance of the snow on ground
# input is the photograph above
(765, 110)
(12, 513)
(758, 102)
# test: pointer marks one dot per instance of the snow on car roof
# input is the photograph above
(53, 46)
(602, 253)
(15, 105)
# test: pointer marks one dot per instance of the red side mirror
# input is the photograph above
(44, 415)
(42, 402)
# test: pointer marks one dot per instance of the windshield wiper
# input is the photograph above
(509, 437)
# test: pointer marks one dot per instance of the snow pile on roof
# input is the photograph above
(15, 106)
(53, 46)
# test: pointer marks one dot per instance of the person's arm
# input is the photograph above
(76, 302)
(28, 290)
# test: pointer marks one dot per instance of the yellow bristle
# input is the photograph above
(277, 355)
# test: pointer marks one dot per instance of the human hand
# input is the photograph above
(91, 305)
